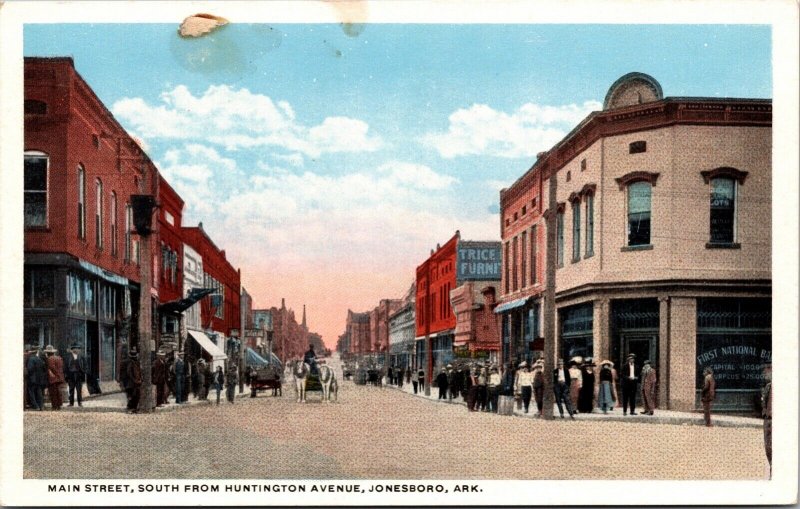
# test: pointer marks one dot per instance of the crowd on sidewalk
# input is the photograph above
(45, 369)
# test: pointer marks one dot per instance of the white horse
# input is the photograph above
(330, 387)
(300, 371)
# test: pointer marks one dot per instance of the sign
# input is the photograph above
(479, 261)
(253, 333)
(737, 361)
(262, 319)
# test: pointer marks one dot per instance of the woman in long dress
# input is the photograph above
(605, 402)
(586, 395)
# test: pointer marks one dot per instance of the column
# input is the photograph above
(682, 352)
(663, 351)
(601, 330)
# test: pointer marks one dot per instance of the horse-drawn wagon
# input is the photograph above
(264, 374)
(323, 380)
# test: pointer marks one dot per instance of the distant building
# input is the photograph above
(401, 332)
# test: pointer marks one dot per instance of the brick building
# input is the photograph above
(168, 256)
(401, 331)
(81, 255)
(663, 240)
(357, 330)
(290, 339)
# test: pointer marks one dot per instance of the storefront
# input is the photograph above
(521, 336)
(635, 330)
(576, 323)
(734, 339)
(441, 350)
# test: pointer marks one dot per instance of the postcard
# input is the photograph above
(399, 253)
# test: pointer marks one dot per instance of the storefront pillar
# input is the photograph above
(683, 345)
(663, 351)
(601, 330)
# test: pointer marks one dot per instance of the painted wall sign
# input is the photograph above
(478, 261)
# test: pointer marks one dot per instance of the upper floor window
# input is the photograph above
(113, 213)
(589, 224)
(560, 238)
(514, 281)
(723, 211)
(523, 249)
(576, 231)
(128, 225)
(506, 264)
(81, 203)
(35, 200)
(98, 214)
(534, 253)
(34, 107)
(639, 198)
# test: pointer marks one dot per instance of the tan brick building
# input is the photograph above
(663, 247)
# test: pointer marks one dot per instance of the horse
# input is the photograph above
(300, 371)
(327, 378)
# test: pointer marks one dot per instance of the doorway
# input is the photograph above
(643, 346)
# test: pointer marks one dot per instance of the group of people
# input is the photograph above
(46, 369)
(176, 376)
(479, 385)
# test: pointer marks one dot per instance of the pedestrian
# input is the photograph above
(421, 379)
(401, 376)
(483, 378)
(415, 382)
(208, 380)
(408, 375)
(472, 387)
(194, 376)
(708, 394)
(577, 380)
(587, 393)
(523, 385)
(605, 401)
(179, 370)
(218, 381)
(649, 383)
(390, 375)
(36, 370)
(508, 376)
(441, 383)
(133, 381)
(451, 382)
(614, 384)
(55, 377)
(231, 381)
(493, 385)
(26, 400)
(202, 391)
(766, 413)
(630, 378)
(538, 384)
(561, 383)
(75, 370)
(159, 378)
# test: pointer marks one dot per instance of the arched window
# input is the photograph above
(81, 202)
(723, 210)
(560, 237)
(639, 198)
(35, 200)
(576, 230)
(98, 214)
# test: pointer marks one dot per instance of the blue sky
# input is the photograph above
(328, 164)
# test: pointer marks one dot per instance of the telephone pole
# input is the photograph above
(550, 336)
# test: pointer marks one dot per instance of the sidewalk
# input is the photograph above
(660, 417)
(117, 402)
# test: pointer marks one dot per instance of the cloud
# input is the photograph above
(532, 128)
(237, 118)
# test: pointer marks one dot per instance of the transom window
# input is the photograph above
(639, 212)
(35, 200)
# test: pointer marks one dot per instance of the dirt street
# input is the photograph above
(375, 433)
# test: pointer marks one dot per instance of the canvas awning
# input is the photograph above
(208, 345)
(511, 305)
(253, 359)
(181, 305)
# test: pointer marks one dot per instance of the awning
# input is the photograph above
(181, 305)
(253, 359)
(103, 273)
(511, 305)
(208, 345)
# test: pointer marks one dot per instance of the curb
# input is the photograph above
(122, 409)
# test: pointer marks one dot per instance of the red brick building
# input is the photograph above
(379, 325)
(290, 339)
(81, 256)
(168, 254)
(357, 332)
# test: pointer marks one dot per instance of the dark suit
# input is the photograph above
(75, 373)
(629, 387)
(441, 382)
(561, 390)
(37, 381)
(159, 379)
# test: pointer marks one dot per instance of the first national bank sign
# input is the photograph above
(478, 261)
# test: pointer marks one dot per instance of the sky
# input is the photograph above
(328, 160)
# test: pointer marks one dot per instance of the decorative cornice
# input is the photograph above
(637, 176)
(574, 197)
(724, 171)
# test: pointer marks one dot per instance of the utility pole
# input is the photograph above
(550, 337)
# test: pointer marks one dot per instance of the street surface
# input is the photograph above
(375, 433)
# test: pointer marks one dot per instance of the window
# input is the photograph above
(81, 203)
(534, 253)
(560, 235)
(35, 201)
(505, 264)
(569, 176)
(524, 209)
(508, 221)
(34, 107)
(576, 231)
(113, 213)
(39, 289)
(723, 211)
(639, 213)
(589, 224)
(514, 264)
(98, 215)
(128, 244)
(523, 250)
(637, 147)
(515, 216)
(583, 164)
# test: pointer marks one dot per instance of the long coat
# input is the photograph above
(709, 388)
(55, 370)
(159, 372)
(649, 380)
(37, 371)
(133, 377)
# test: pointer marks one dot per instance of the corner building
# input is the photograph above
(663, 239)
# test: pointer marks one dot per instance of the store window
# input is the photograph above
(35, 199)
(39, 331)
(576, 331)
(723, 211)
(39, 289)
(639, 202)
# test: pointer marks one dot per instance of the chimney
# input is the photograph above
(283, 303)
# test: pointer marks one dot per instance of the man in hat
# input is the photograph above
(649, 382)
(523, 385)
(766, 413)
(452, 389)
(37, 379)
(75, 370)
(179, 370)
(55, 377)
(708, 394)
(493, 385)
(441, 383)
(27, 401)
(538, 384)
(133, 380)
(630, 379)
(159, 378)
(231, 380)
(310, 358)
(561, 383)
